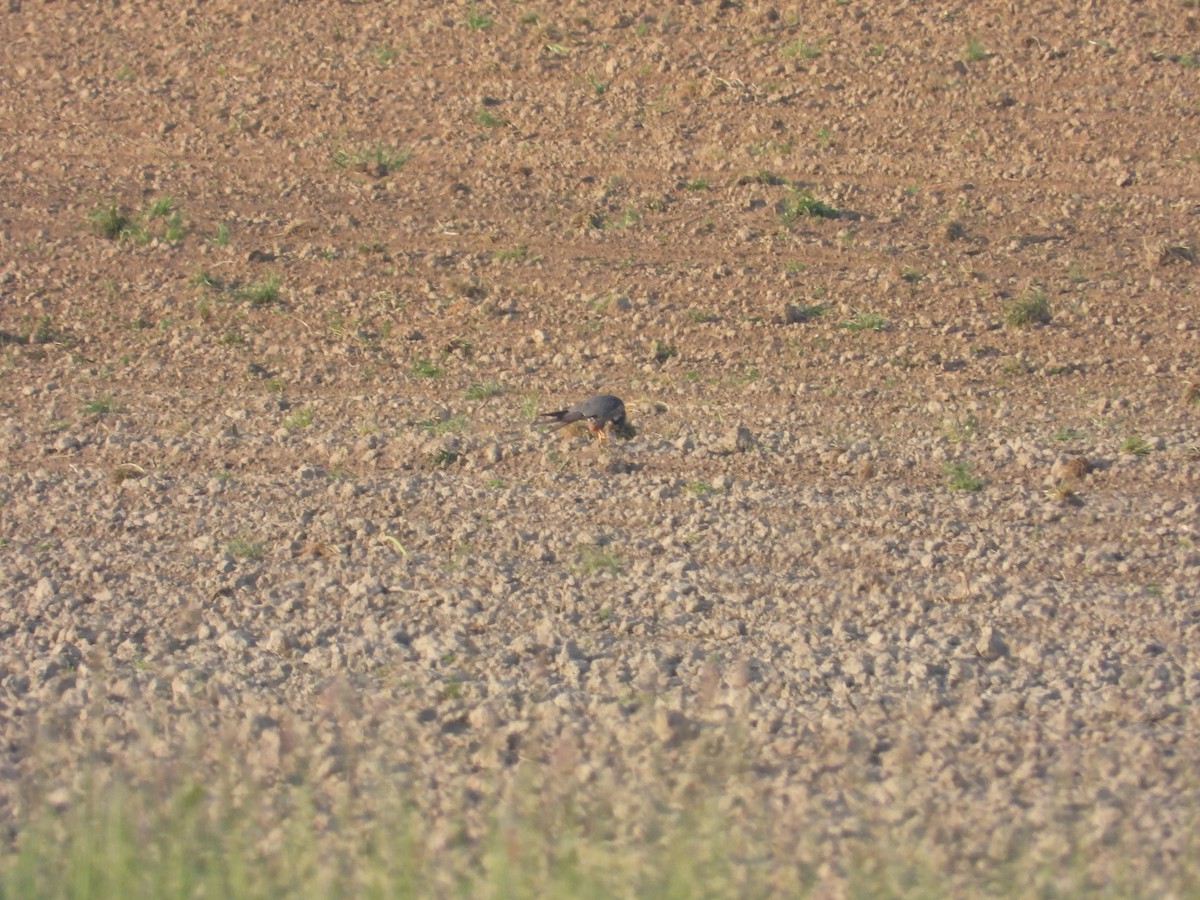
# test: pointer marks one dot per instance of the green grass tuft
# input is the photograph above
(593, 559)
(259, 293)
(300, 418)
(800, 204)
(483, 390)
(959, 478)
(864, 321)
(1135, 445)
(241, 547)
(424, 368)
(111, 221)
(1032, 308)
(376, 159)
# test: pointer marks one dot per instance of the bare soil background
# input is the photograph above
(881, 563)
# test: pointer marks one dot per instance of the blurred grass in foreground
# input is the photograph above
(227, 839)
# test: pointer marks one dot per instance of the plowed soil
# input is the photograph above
(901, 299)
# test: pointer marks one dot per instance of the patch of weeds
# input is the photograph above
(911, 275)
(1017, 365)
(801, 48)
(695, 184)
(517, 253)
(111, 221)
(233, 338)
(483, 390)
(627, 218)
(762, 176)
(975, 51)
(377, 160)
(824, 137)
(242, 547)
(747, 375)
(455, 424)
(336, 323)
(221, 236)
(702, 487)
(701, 316)
(662, 351)
(384, 55)
(1031, 308)
(300, 418)
(803, 205)
(117, 223)
(958, 429)
(593, 559)
(1068, 434)
(797, 313)
(476, 20)
(771, 147)
(529, 405)
(422, 367)
(495, 484)
(371, 248)
(99, 406)
(276, 385)
(160, 208)
(864, 321)
(1191, 393)
(1135, 445)
(259, 293)
(486, 119)
(1076, 275)
(959, 478)
(599, 86)
(173, 228)
(463, 347)
(205, 279)
(125, 472)
(445, 457)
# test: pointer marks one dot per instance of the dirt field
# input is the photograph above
(901, 299)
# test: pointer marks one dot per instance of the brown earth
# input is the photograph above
(269, 470)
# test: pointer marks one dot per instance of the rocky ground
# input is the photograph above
(901, 299)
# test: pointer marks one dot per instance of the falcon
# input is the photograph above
(597, 412)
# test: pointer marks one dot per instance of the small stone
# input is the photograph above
(990, 645)
(236, 640)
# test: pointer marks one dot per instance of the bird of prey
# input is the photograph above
(597, 412)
